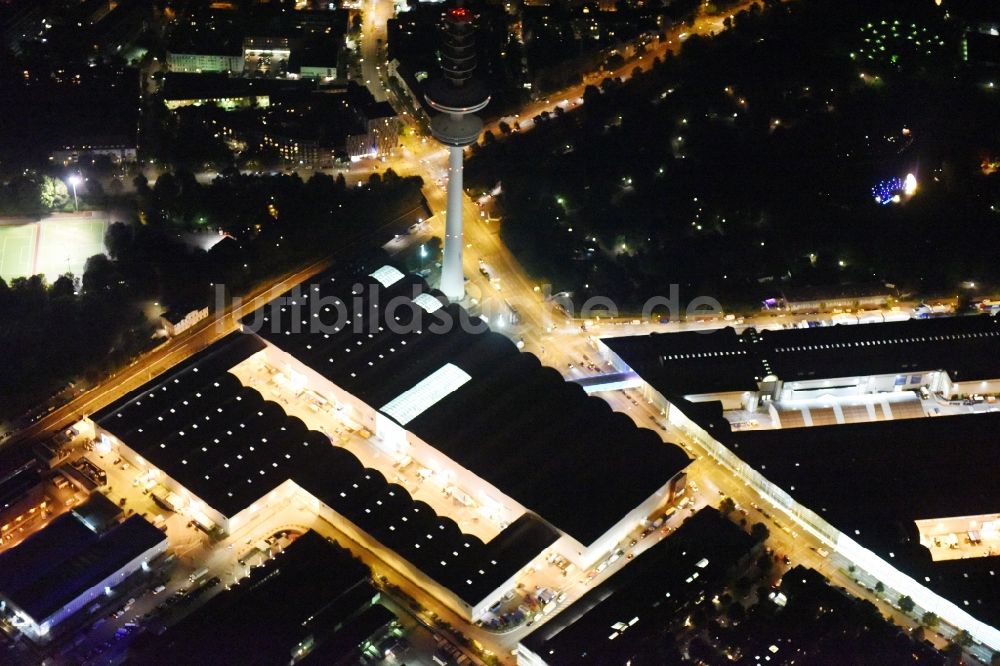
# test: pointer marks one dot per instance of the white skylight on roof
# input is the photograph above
(410, 404)
(387, 276)
(427, 302)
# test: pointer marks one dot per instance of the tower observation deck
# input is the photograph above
(458, 95)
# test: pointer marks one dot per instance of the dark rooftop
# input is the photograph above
(820, 624)
(514, 423)
(613, 621)
(189, 85)
(967, 347)
(57, 564)
(343, 646)
(228, 446)
(313, 56)
(176, 315)
(691, 363)
(805, 294)
(983, 48)
(310, 590)
(207, 33)
(98, 512)
(873, 480)
(378, 110)
(19, 471)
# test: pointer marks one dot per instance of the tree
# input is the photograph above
(117, 239)
(906, 604)
(929, 620)
(759, 532)
(727, 506)
(95, 192)
(53, 193)
(919, 634)
(736, 612)
(764, 563)
(99, 274)
(953, 654)
(879, 587)
(62, 287)
(166, 188)
(504, 128)
(962, 638)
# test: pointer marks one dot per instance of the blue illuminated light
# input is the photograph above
(887, 191)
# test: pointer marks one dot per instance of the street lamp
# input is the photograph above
(74, 180)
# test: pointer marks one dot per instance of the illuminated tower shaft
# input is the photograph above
(458, 97)
(452, 273)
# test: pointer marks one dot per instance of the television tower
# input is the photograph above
(458, 96)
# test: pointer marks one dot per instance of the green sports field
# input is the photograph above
(17, 250)
(53, 246)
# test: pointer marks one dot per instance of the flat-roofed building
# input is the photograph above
(947, 355)
(225, 62)
(177, 320)
(314, 598)
(848, 297)
(459, 400)
(622, 618)
(60, 569)
(906, 500)
(903, 492)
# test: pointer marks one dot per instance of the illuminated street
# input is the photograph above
(794, 165)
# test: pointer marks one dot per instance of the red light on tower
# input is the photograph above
(460, 14)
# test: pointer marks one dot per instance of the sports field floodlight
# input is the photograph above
(75, 180)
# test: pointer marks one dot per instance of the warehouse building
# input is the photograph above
(458, 401)
(845, 365)
(901, 491)
(312, 599)
(907, 501)
(79, 556)
(623, 618)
